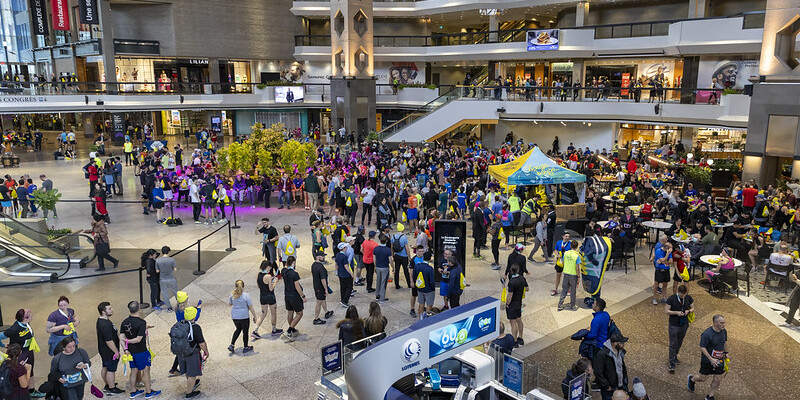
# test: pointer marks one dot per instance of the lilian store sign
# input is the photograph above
(60, 11)
(88, 12)
(39, 12)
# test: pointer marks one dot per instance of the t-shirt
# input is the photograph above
(133, 327)
(283, 245)
(290, 276)
(571, 260)
(427, 276)
(505, 343)
(367, 249)
(17, 371)
(165, 266)
(749, 197)
(57, 318)
(65, 365)
(519, 259)
(403, 242)
(516, 288)
(659, 254)
(240, 307)
(106, 331)
(318, 273)
(714, 343)
(342, 262)
(158, 193)
(19, 334)
(780, 259)
(382, 254)
(676, 304)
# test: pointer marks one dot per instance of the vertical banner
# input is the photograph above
(39, 17)
(60, 11)
(88, 12)
(450, 235)
(626, 83)
(512, 373)
(576, 387)
(378, 122)
(118, 128)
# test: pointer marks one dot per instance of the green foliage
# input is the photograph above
(416, 85)
(373, 136)
(46, 200)
(294, 154)
(699, 175)
(236, 157)
(726, 164)
(56, 233)
(263, 85)
(728, 91)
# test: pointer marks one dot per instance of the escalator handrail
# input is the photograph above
(421, 109)
(47, 234)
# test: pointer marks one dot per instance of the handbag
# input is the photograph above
(102, 248)
(93, 389)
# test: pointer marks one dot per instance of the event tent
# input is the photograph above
(534, 168)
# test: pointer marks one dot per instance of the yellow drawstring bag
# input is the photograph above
(420, 281)
(504, 295)
(690, 316)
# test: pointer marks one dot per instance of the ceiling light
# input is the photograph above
(590, 124)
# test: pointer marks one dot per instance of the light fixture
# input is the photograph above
(710, 162)
(562, 123)
(689, 156)
(534, 121)
(590, 124)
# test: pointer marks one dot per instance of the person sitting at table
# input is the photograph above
(745, 217)
(690, 191)
(785, 239)
(676, 228)
(697, 228)
(758, 249)
(700, 215)
(734, 238)
(682, 210)
(593, 228)
(646, 212)
(628, 221)
(657, 183)
(722, 272)
(613, 222)
(710, 238)
(729, 215)
(781, 258)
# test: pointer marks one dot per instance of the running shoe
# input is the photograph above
(137, 393)
(153, 393)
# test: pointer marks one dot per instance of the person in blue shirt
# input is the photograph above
(497, 206)
(345, 274)
(690, 192)
(561, 247)
(505, 342)
(461, 198)
(657, 183)
(423, 281)
(598, 330)
(661, 260)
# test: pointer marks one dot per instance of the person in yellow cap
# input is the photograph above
(192, 365)
(180, 315)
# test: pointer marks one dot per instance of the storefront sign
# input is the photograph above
(39, 14)
(194, 61)
(88, 12)
(512, 373)
(576, 387)
(331, 358)
(626, 83)
(176, 117)
(60, 11)
(23, 99)
(449, 235)
(561, 67)
(542, 39)
(461, 333)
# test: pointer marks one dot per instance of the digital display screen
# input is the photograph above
(288, 94)
(462, 332)
(544, 39)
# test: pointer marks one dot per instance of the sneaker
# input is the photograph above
(655, 302)
(328, 314)
(277, 331)
(153, 393)
(319, 322)
(256, 335)
(370, 290)
(574, 308)
(676, 361)
(174, 372)
(659, 289)
(495, 267)
(196, 222)
(343, 305)
(520, 341)
(116, 264)
(193, 394)
(709, 397)
(554, 292)
(137, 393)
(384, 301)
(231, 348)
(560, 309)
(689, 383)
(671, 367)
(359, 283)
(531, 259)
(115, 390)
(247, 349)
(412, 313)
(156, 308)
(169, 309)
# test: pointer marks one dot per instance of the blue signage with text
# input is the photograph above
(332, 357)
(512, 373)
(461, 332)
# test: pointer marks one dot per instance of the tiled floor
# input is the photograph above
(275, 369)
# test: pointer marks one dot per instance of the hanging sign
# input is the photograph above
(60, 11)
(39, 13)
(88, 12)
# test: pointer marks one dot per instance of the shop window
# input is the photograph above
(360, 23)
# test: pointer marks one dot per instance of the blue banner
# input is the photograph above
(331, 358)
(512, 373)
(576, 387)
(461, 332)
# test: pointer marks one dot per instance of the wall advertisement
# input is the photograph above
(731, 74)
(542, 39)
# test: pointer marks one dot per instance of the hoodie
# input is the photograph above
(609, 368)
(599, 328)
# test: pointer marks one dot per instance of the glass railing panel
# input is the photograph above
(603, 32)
(639, 30)
(659, 29)
(753, 21)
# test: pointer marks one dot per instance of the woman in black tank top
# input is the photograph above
(267, 280)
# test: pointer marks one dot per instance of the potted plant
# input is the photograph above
(46, 199)
(699, 177)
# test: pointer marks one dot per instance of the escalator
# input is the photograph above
(29, 254)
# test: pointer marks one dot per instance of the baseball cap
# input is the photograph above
(618, 338)
(342, 245)
(190, 313)
(372, 233)
(319, 253)
(519, 247)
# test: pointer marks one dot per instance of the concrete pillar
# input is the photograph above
(578, 74)
(493, 26)
(581, 13)
(109, 63)
(213, 74)
(698, 8)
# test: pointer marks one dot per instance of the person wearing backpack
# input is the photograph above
(400, 251)
(15, 377)
(424, 283)
(455, 284)
(189, 345)
(21, 334)
(287, 245)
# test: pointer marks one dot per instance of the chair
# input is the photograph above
(629, 252)
(779, 271)
(517, 231)
(743, 276)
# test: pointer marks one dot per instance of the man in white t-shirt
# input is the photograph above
(781, 258)
(368, 193)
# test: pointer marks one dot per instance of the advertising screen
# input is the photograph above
(461, 332)
(288, 94)
(542, 39)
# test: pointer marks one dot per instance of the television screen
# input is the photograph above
(288, 94)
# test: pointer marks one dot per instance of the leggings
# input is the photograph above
(243, 327)
(496, 250)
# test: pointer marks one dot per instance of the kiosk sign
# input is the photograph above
(331, 358)
(576, 387)
(461, 332)
(512, 373)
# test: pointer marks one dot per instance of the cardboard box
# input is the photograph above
(565, 212)
(580, 210)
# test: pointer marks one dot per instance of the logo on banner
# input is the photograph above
(411, 350)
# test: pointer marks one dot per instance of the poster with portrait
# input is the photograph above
(289, 94)
(731, 74)
(406, 73)
(294, 72)
(662, 70)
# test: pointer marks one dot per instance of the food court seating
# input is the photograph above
(779, 271)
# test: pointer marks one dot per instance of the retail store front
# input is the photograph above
(621, 74)
(720, 143)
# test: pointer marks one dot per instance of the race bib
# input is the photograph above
(718, 354)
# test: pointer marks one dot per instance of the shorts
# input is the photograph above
(320, 295)
(191, 366)
(294, 303)
(675, 276)
(661, 275)
(111, 365)
(5, 203)
(513, 311)
(443, 289)
(158, 205)
(558, 269)
(140, 360)
(411, 214)
(426, 298)
(268, 300)
(707, 369)
(210, 204)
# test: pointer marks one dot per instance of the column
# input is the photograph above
(109, 63)
(213, 75)
(578, 73)
(698, 8)
(493, 26)
(581, 13)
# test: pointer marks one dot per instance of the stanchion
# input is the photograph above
(199, 271)
(171, 216)
(1, 316)
(142, 304)
(230, 239)
(233, 211)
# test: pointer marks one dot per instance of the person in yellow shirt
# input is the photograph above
(128, 148)
(514, 206)
(572, 275)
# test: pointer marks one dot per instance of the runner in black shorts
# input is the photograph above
(516, 289)
(293, 296)
(319, 276)
(266, 287)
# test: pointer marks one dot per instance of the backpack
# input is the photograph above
(612, 328)
(179, 337)
(396, 246)
(6, 388)
(289, 248)
(349, 202)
